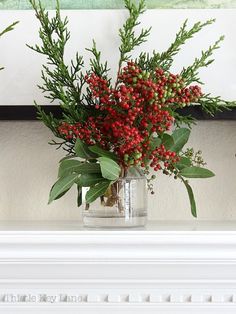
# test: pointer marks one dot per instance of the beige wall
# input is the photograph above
(28, 165)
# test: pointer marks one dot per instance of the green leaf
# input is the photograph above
(62, 194)
(167, 141)
(196, 172)
(62, 186)
(75, 166)
(82, 150)
(79, 197)
(155, 142)
(90, 179)
(191, 199)
(183, 163)
(180, 137)
(96, 191)
(68, 167)
(109, 168)
(102, 152)
(89, 168)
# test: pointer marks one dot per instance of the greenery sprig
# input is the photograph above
(60, 81)
(9, 28)
(95, 63)
(6, 30)
(191, 74)
(165, 59)
(129, 40)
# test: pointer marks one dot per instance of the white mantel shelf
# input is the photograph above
(166, 268)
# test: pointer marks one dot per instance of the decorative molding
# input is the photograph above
(110, 298)
(129, 247)
(128, 271)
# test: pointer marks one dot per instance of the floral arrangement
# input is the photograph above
(109, 126)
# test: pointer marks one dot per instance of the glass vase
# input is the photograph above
(123, 205)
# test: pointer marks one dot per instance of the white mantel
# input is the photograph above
(167, 268)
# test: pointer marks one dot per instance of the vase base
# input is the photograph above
(114, 222)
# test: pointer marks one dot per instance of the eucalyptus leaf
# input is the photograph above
(167, 141)
(62, 194)
(180, 137)
(75, 166)
(191, 199)
(90, 179)
(82, 150)
(62, 186)
(102, 152)
(68, 167)
(196, 172)
(89, 168)
(155, 142)
(97, 191)
(109, 168)
(183, 163)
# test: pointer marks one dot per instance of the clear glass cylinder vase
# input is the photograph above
(123, 205)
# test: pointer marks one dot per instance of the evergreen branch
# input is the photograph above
(96, 66)
(190, 74)
(9, 28)
(52, 123)
(49, 120)
(180, 120)
(147, 62)
(183, 120)
(6, 30)
(212, 105)
(129, 40)
(166, 58)
(60, 81)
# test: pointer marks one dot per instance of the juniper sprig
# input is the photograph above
(6, 30)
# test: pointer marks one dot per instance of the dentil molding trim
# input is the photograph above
(169, 267)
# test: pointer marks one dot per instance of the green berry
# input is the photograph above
(126, 157)
(131, 162)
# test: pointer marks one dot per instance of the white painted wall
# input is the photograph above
(29, 165)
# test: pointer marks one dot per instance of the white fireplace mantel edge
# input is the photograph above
(169, 267)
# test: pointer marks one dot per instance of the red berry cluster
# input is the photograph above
(172, 89)
(84, 131)
(145, 96)
(164, 156)
(99, 87)
(128, 115)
